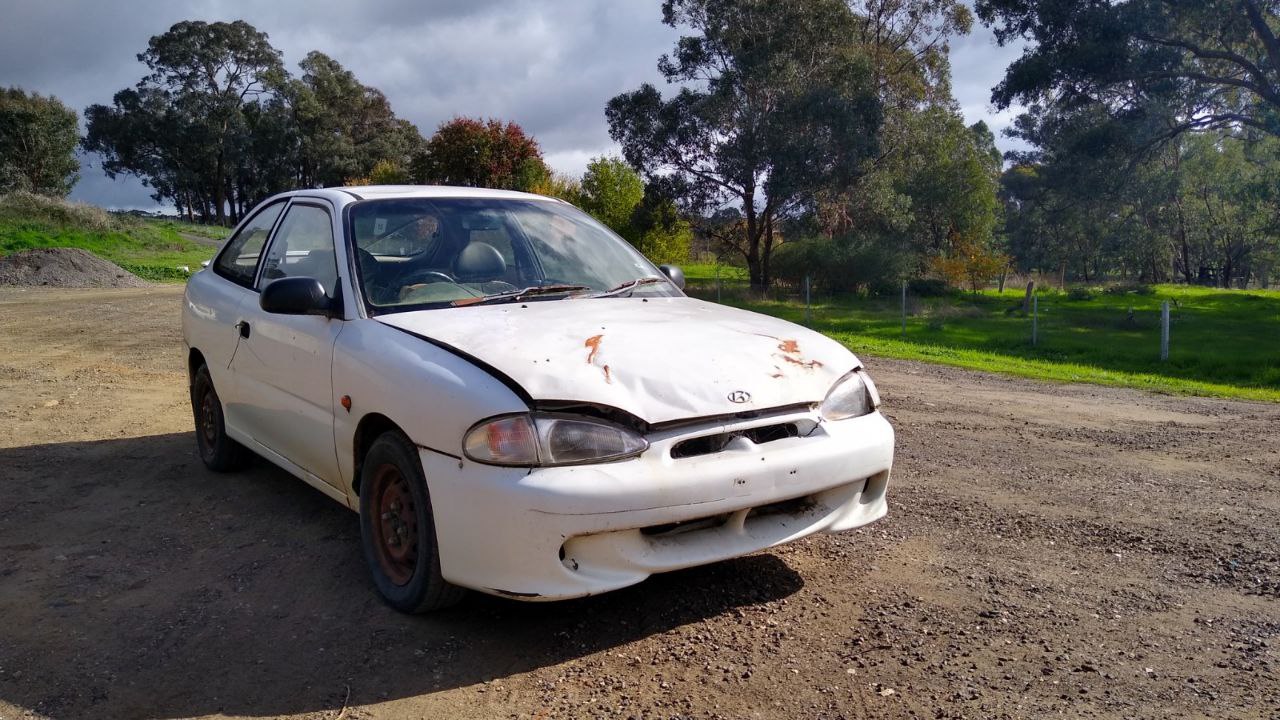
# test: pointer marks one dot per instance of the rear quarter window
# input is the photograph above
(238, 261)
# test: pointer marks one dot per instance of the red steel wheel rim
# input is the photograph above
(208, 418)
(395, 529)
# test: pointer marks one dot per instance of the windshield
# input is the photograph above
(417, 253)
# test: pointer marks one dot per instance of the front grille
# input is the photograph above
(709, 444)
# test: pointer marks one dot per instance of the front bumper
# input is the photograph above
(556, 533)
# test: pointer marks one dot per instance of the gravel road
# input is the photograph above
(1051, 550)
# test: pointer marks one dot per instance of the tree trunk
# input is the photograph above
(766, 277)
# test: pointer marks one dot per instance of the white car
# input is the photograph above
(514, 399)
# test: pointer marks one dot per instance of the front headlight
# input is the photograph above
(853, 395)
(528, 440)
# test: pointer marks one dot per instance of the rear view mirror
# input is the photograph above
(295, 296)
(674, 274)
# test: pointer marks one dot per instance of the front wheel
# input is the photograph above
(218, 451)
(397, 529)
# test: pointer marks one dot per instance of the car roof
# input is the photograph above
(347, 194)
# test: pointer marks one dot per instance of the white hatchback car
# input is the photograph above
(514, 399)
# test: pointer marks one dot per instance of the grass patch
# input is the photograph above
(152, 249)
(1222, 342)
(706, 273)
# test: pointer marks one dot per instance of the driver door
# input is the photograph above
(284, 361)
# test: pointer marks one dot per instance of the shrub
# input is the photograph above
(1129, 289)
(929, 287)
(838, 265)
(1080, 293)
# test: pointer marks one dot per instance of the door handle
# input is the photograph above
(243, 327)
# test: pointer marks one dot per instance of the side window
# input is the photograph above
(239, 260)
(303, 247)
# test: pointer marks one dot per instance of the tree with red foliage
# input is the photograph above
(481, 153)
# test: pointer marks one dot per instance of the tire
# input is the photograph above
(398, 531)
(219, 452)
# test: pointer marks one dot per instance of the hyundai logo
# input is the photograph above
(739, 396)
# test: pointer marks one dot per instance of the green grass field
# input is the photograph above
(1222, 342)
(149, 248)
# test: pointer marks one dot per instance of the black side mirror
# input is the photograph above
(674, 274)
(295, 296)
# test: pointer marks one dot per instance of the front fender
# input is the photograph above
(431, 393)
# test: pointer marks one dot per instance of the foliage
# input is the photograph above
(1201, 208)
(559, 185)
(611, 191)
(617, 196)
(481, 153)
(776, 105)
(386, 172)
(345, 129)
(218, 124)
(1156, 68)
(38, 137)
(970, 262)
(934, 179)
(845, 264)
(659, 230)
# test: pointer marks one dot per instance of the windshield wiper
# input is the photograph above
(628, 286)
(518, 295)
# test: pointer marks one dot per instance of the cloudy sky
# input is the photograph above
(549, 65)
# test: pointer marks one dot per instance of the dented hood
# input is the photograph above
(660, 359)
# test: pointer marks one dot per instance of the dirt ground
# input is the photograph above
(1051, 550)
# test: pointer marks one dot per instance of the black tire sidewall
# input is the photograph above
(201, 385)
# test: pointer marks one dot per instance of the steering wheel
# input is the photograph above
(419, 276)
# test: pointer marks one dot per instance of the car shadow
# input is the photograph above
(135, 583)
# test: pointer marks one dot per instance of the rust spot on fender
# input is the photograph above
(607, 378)
(789, 346)
(593, 342)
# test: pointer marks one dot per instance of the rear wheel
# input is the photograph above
(218, 451)
(398, 531)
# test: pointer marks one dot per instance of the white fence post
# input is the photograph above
(1164, 331)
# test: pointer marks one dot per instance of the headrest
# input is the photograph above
(479, 262)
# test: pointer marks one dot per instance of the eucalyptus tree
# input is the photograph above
(774, 104)
(38, 138)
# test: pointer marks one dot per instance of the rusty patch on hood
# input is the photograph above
(791, 353)
(593, 342)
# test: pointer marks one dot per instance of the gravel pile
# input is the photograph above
(64, 267)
